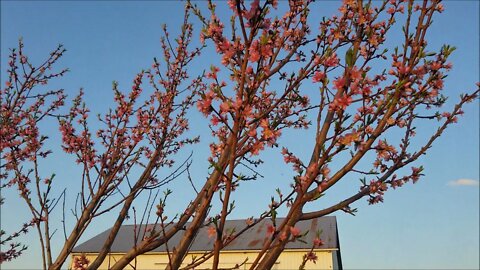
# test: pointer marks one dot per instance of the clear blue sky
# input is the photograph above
(431, 224)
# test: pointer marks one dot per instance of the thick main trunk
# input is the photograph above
(181, 249)
(113, 234)
(148, 245)
(124, 211)
(128, 257)
(80, 226)
(268, 261)
(207, 192)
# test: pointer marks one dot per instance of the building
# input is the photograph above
(244, 248)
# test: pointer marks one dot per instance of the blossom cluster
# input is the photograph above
(22, 108)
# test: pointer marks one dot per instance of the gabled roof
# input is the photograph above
(251, 239)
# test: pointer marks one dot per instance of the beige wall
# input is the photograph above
(228, 259)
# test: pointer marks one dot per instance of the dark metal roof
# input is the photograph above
(252, 239)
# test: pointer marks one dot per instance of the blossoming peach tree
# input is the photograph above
(278, 72)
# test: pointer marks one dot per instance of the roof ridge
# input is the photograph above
(230, 220)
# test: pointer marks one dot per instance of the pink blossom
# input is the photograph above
(331, 61)
(204, 105)
(317, 242)
(340, 103)
(339, 83)
(254, 7)
(318, 76)
(440, 7)
(254, 53)
(257, 147)
(270, 230)
(311, 256)
(225, 106)
(212, 232)
(283, 236)
(295, 231)
(80, 263)
(252, 132)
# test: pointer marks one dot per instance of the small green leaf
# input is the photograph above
(350, 57)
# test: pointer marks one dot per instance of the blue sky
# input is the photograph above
(432, 224)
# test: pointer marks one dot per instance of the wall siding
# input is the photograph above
(288, 260)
